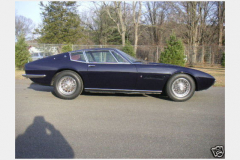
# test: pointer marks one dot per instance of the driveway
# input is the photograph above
(117, 125)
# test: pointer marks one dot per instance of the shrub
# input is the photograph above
(67, 48)
(22, 55)
(223, 60)
(128, 48)
(174, 52)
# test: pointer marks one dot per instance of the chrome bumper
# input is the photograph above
(34, 75)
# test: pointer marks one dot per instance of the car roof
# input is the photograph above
(99, 49)
(95, 49)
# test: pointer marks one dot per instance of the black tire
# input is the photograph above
(68, 77)
(188, 87)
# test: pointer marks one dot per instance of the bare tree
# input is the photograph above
(23, 26)
(221, 21)
(193, 17)
(204, 11)
(156, 15)
(136, 19)
(121, 17)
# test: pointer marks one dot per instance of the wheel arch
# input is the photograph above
(65, 69)
(182, 72)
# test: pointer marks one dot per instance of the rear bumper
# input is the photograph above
(34, 75)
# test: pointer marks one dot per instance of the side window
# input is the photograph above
(119, 58)
(77, 56)
(100, 57)
(89, 57)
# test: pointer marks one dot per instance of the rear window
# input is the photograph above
(77, 56)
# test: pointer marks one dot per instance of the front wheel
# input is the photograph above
(67, 85)
(180, 87)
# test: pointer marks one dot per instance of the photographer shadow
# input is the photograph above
(42, 140)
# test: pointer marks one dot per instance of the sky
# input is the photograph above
(31, 9)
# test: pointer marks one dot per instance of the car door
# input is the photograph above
(152, 77)
(106, 72)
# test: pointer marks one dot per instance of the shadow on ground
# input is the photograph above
(38, 87)
(42, 140)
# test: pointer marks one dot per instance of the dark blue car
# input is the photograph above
(111, 70)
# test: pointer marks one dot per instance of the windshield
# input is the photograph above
(132, 59)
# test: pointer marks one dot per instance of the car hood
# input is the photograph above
(181, 69)
(162, 64)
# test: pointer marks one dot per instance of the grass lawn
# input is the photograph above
(18, 74)
(217, 72)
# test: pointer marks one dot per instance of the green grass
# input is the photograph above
(18, 74)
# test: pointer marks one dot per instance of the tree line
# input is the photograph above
(196, 23)
(139, 22)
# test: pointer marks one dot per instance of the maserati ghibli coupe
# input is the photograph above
(111, 70)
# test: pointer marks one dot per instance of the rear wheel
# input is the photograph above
(180, 87)
(67, 85)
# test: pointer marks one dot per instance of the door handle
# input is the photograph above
(90, 65)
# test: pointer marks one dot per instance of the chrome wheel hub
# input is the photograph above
(67, 85)
(181, 87)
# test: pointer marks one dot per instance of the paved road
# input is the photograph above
(117, 126)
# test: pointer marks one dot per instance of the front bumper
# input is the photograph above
(34, 75)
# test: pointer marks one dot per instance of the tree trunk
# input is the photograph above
(123, 38)
(135, 40)
(221, 14)
(136, 23)
(120, 21)
(193, 20)
(202, 54)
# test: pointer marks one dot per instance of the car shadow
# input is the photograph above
(112, 94)
(38, 87)
(42, 140)
(160, 96)
(42, 88)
